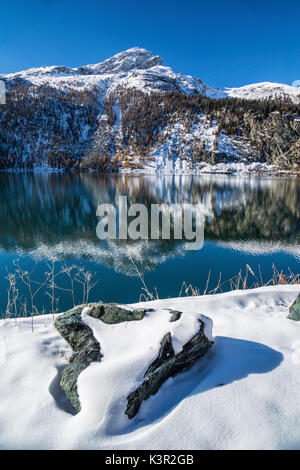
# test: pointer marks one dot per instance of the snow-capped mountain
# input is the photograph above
(134, 68)
(265, 90)
(132, 112)
(141, 69)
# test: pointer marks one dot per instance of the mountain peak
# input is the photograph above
(134, 58)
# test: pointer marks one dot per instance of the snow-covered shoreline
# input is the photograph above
(230, 169)
(243, 395)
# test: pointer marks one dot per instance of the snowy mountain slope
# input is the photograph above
(134, 58)
(131, 113)
(138, 75)
(141, 69)
(265, 90)
(243, 396)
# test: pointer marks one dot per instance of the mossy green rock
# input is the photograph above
(112, 313)
(85, 347)
(167, 364)
(295, 310)
(85, 350)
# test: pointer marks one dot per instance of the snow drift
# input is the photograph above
(242, 395)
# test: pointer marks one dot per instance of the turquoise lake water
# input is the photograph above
(52, 216)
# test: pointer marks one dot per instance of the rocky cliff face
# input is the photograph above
(131, 112)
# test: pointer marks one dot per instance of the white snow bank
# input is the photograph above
(165, 166)
(128, 348)
(243, 394)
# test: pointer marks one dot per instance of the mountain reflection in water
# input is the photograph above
(247, 220)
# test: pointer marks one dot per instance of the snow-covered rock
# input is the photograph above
(174, 343)
(295, 310)
(244, 396)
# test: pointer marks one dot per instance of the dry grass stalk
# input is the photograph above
(249, 280)
(49, 286)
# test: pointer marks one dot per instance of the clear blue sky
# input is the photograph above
(224, 43)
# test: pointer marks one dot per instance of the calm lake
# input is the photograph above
(44, 216)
